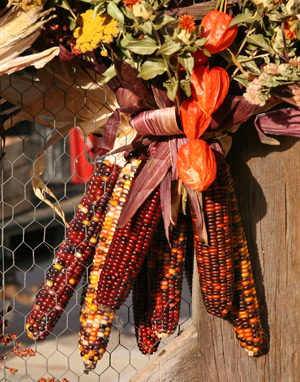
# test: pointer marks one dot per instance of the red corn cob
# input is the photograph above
(189, 255)
(166, 262)
(120, 266)
(96, 322)
(245, 308)
(215, 261)
(74, 253)
(147, 340)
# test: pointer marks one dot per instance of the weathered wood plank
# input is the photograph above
(267, 182)
(177, 362)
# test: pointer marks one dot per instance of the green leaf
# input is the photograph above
(144, 46)
(169, 47)
(241, 80)
(108, 74)
(146, 27)
(151, 69)
(187, 61)
(114, 12)
(258, 40)
(200, 42)
(186, 87)
(72, 23)
(243, 18)
(172, 87)
(162, 20)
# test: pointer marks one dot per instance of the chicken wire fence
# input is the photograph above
(37, 106)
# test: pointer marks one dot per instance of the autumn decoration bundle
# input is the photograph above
(186, 76)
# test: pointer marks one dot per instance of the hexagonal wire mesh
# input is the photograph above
(34, 107)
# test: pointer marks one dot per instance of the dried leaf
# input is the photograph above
(159, 93)
(278, 122)
(176, 192)
(161, 122)
(38, 60)
(39, 167)
(175, 144)
(166, 201)
(195, 198)
(2, 140)
(128, 77)
(18, 30)
(150, 177)
(235, 110)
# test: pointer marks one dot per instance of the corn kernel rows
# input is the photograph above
(147, 340)
(74, 253)
(215, 261)
(123, 263)
(96, 320)
(245, 308)
(166, 280)
(189, 256)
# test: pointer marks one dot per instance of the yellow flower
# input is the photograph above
(92, 32)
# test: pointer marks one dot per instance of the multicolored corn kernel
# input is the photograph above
(91, 313)
(147, 340)
(166, 263)
(245, 308)
(189, 255)
(74, 253)
(215, 260)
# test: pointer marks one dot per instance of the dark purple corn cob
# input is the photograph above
(74, 253)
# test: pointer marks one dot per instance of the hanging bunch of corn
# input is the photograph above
(215, 259)
(166, 272)
(74, 254)
(245, 308)
(147, 340)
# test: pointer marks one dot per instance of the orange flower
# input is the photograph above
(290, 28)
(130, 3)
(187, 22)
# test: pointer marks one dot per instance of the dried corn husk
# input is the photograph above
(19, 28)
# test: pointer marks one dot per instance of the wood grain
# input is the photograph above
(267, 180)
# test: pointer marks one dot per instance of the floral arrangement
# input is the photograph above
(186, 76)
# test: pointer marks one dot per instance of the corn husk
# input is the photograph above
(18, 31)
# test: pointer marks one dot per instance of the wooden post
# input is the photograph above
(267, 183)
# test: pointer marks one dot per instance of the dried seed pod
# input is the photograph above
(74, 253)
(96, 319)
(245, 308)
(147, 340)
(166, 262)
(215, 261)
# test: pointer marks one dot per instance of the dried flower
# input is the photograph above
(187, 22)
(130, 3)
(290, 28)
(94, 31)
(254, 93)
(296, 93)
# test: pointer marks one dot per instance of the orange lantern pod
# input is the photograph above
(215, 30)
(209, 87)
(193, 120)
(196, 164)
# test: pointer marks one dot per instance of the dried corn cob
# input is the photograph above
(147, 340)
(245, 308)
(120, 266)
(215, 261)
(166, 279)
(189, 255)
(74, 253)
(96, 322)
